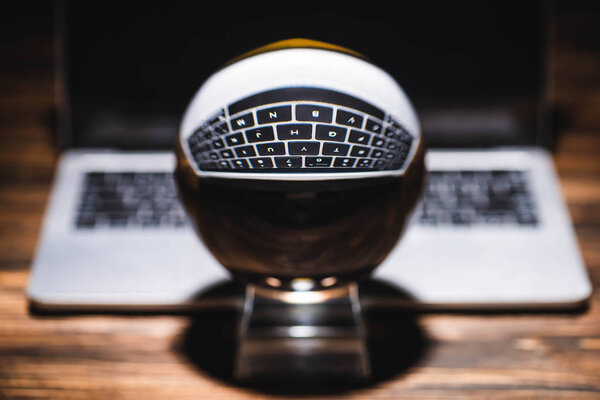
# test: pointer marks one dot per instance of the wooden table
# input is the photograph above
(436, 355)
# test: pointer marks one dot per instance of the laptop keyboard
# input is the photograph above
(149, 200)
(129, 199)
(477, 197)
(294, 129)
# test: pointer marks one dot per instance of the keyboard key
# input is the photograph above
(344, 162)
(288, 162)
(240, 164)
(303, 148)
(263, 134)
(313, 162)
(195, 138)
(242, 121)
(359, 151)
(391, 133)
(294, 131)
(245, 151)
(201, 134)
(406, 139)
(198, 134)
(235, 139)
(221, 128)
(224, 164)
(274, 114)
(335, 149)
(397, 164)
(359, 137)
(208, 134)
(270, 149)
(205, 148)
(194, 146)
(348, 118)
(208, 166)
(264, 162)
(378, 142)
(218, 144)
(377, 153)
(365, 162)
(373, 126)
(225, 154)
(309, 112)
(198, 157)
(330, 132)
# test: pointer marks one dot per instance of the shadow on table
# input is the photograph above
(395, 343)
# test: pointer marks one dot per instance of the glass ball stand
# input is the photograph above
(302, 334)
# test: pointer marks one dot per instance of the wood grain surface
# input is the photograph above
(425, 356)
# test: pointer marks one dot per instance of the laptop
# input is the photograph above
(491, 231)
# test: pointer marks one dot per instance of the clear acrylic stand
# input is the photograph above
(301, 336)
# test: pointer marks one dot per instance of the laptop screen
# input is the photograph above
(474, 70)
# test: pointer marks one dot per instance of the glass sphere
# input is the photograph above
(294, 176)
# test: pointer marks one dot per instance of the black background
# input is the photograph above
(474, 70)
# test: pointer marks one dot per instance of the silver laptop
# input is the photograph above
(491, 231)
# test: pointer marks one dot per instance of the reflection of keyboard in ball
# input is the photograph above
(297, 129)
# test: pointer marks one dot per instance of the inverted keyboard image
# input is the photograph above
(296, 129)
(120, 200)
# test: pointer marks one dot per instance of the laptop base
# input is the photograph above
(442, 268)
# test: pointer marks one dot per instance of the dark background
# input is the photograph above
(474, 70)
(133, 66)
